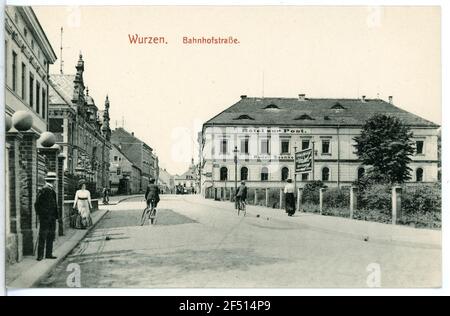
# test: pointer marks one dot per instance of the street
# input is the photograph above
(204, 244)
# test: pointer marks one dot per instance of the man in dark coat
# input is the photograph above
(241, 194)
(152, 192)
(46, 207)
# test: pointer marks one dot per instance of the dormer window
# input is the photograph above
(244, 117)
(271, 106)
(304, 117)
(326, 118)
(338, 106)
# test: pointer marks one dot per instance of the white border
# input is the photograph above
(445, 27)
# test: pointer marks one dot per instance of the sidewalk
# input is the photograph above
(364, 230)
(29, 271)
(116, 199)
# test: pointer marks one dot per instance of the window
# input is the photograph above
(326, 146)
(419, 175)
(305, 176)
(272, 106)
(284, 174)
(305, 144)
(244, 173)
(285, 146)
(244, 117)
(361, 172)
(264, 174)
(325, 174)
(265, 146)
(244, 146)
(14, 71)
(119, 171)
(115, 158)
(25, 32)
(24, 84)
(338, 106)
(223, 146)
(30, 90)
(38, 97)
(44, 104)
(223, 174)
(419, 147)
(304, 117)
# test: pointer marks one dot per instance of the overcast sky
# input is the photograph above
(164, 93)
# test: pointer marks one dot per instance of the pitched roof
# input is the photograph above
(126, 157)
(311, 112)
(61, 91)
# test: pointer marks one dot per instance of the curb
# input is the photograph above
(121, 200)
(30, 281)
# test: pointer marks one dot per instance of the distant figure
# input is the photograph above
(105, 196)
(152, 193)
(83, 204)
(289, 191)
(46, 207)
(241, 193)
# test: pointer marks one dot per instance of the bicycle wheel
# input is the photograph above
(152, 216)
(144, 216)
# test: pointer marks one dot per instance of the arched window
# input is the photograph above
(419, 175)
(223, 174)
(264, 174)
(244, 173)
(325, 174)
(284, 174)
(361, 172)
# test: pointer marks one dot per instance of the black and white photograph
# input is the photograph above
(222, 147)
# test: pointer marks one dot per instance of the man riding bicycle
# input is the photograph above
(152, 195)
(241, 194)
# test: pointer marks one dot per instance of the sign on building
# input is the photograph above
(303, 161)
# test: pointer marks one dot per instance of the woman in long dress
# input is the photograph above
(83, 204)
(289, 190)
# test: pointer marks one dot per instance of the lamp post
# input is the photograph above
(235, 173)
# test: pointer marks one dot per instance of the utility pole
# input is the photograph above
(60, 53)
(235, 173)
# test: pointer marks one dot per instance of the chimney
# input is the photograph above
(243, 96)
(302, 97)
(132, 133)
(363, 98)
(391, 99)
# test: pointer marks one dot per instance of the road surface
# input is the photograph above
(197, 245)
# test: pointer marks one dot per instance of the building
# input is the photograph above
(28, 54)
(189, 180)
(139, 153)
(124, 176)
(166, 182)
(266, 132)
(82, 133)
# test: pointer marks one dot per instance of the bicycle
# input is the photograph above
(242, 207)
(149, 213)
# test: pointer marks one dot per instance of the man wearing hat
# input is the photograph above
(46, 207)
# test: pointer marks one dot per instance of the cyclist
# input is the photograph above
(152, 194)
(241, 194)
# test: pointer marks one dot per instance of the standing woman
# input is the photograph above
(289, 196)
(83, 204)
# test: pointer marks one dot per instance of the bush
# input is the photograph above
(377, 197)
(336, 198)
(311, 192)
(421, 199)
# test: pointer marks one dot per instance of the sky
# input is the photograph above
(165, 92)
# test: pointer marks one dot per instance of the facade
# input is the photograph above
(266, 132)
(28, 55)
(139, 153)
(125, 177)
(188, 181)
(166, 182)
(82, 133)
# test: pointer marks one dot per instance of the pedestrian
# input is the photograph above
(241, 194)
(82, 203)
(105, 196)
(46, 207)
(289, 190)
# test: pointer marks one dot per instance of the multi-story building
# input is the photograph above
(28, 54)
(166, 182)
(138, 152)
(83, 135)
(124, 176)
(263, 134)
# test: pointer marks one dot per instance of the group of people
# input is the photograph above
(289, 191)
(46, 207)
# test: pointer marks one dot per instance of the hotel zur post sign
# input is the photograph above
(303, 161)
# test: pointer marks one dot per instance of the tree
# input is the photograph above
(385, 144)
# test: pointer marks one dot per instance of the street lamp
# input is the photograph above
(235, 173)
